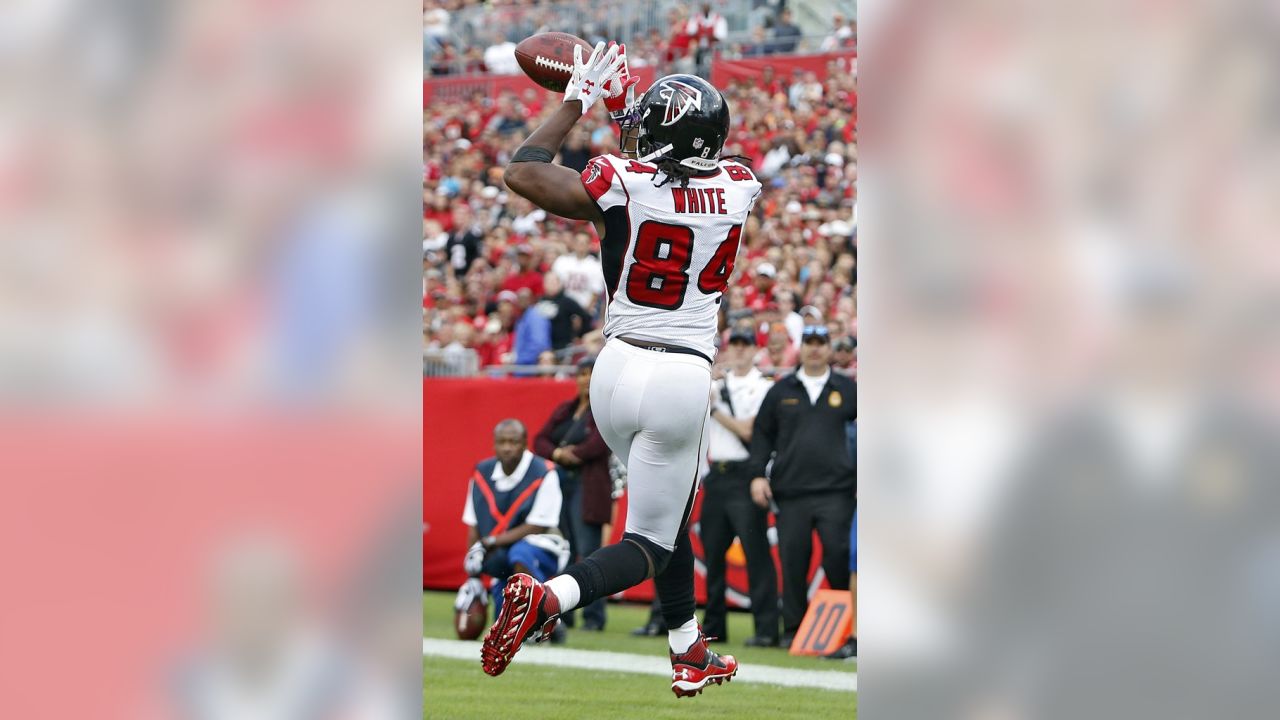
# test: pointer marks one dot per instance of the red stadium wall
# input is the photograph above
(458, 415)
(724, 72)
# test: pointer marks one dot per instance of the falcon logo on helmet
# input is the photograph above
(681, 98)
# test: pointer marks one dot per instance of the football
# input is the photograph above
(547, 58)
(471, 621)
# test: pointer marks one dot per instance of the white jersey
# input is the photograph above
(668, 251)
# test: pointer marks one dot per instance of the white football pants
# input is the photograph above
(651, 407)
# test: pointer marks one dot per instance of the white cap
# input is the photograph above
(767, 270)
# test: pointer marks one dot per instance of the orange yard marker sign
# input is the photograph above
(827, 624)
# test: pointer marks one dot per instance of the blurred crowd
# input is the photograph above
(459, 39)
(506, 284)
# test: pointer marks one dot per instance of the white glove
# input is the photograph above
(591, 79)
(470, 590)
(474, 559)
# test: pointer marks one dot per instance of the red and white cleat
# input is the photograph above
(526, 605)
(693, 670)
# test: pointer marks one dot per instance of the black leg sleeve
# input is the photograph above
(675, 584)
(610, 569)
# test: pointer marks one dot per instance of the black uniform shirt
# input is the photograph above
(810, 439)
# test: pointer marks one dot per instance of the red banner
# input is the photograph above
(723, 72)
(458, 416)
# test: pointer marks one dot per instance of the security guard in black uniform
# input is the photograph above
(727, 508)
(802, 427)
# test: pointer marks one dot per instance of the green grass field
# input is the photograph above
(459, 689)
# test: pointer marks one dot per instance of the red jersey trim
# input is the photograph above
(597, 178)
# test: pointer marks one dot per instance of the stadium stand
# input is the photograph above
(485, 250)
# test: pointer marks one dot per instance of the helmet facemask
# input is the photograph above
(645, 146)
(628, 120)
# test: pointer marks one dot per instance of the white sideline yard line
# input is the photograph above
(641, 664)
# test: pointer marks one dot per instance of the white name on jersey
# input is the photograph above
(698, 200)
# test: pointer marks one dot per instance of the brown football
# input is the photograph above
(547, 58)
(469, 623)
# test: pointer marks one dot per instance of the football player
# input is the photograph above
(670, 220)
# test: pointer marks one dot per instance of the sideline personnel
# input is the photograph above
(802, 427)
(512, 513)
(727, 507)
